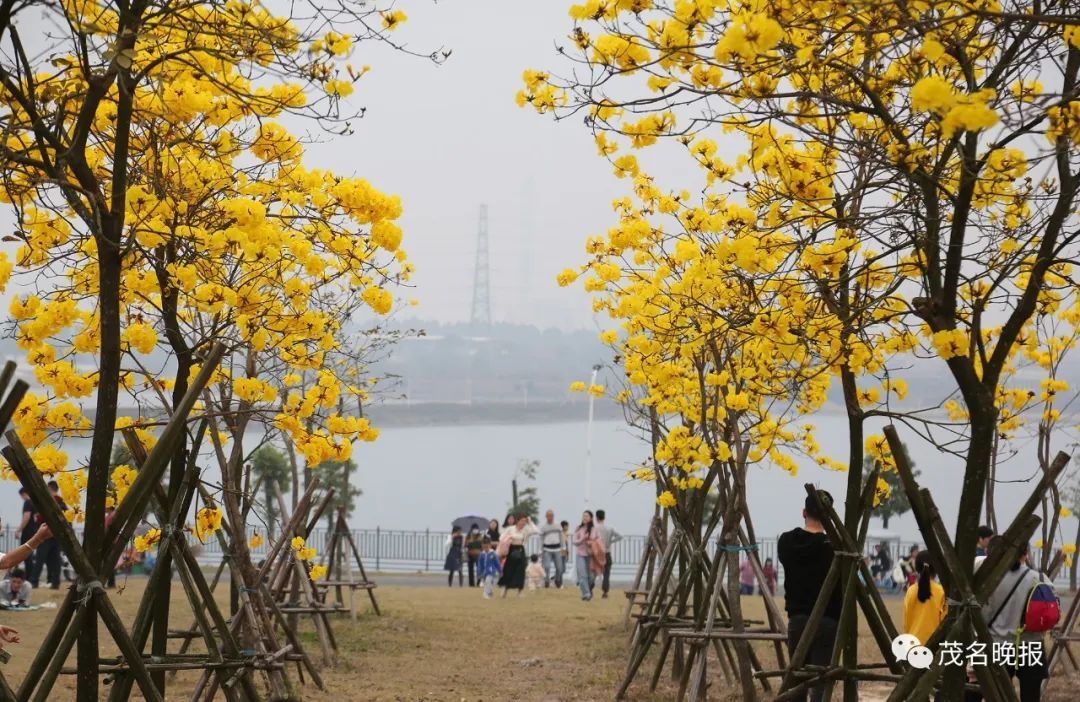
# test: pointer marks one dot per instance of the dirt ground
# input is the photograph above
(439, 644)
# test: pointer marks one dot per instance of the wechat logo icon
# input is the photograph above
(906, 647)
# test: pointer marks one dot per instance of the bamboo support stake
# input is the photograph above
(697, 686)
(322, 624)
(841, 538)
(200, 595)
(50, 646)
(644, 635)
(360, 565)
(59, 655)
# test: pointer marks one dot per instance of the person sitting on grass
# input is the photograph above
(13, 558)
(534, 574)
(15, 590)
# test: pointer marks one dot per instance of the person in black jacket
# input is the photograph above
(27, 528)
(48, 555)
(805, 554)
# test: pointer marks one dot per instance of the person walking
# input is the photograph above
(584, 536)
(27, 528)
(48, 555)
(769, 571)
(924, 602)
(488, 567)
(552, 549)
(746, 577)
(455, 542)
(565, 551)
(805, 553)
(474, 542)
(493, 532)
(1005, 612)
(608, 536)
(515, 531)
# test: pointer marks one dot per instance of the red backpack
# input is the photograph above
(1043, 610)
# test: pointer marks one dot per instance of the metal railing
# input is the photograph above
(398, 550)
(403, 551)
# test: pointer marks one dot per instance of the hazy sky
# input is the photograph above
(448, 138)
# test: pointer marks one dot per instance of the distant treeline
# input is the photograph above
(500, 363)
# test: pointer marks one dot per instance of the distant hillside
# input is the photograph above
(463, 414)
(502, 363)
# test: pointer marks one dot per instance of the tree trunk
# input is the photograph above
(109, 270)
(159, 642)
(742, 647)
(848, 629)
(991, 513)
(983, 423)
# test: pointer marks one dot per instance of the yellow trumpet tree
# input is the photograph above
(938, 139)
(163, 206)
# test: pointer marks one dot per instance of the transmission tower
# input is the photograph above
(481, 294)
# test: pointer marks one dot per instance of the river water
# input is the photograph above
(423, 477)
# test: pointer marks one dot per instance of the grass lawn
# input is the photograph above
(436, 643)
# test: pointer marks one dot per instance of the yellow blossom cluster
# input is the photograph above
(207, 522)
(229, 236)
(122, 477)
(302, 550)
(795, 271)
(148, 540)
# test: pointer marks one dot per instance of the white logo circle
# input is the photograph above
(920, 657)
(902, 645)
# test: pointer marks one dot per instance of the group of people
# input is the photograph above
(805, 553)
(37, 552)
(15, 590)
(747, 577)
(905, 572)
(498, 555)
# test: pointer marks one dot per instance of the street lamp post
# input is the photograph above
(588, 440)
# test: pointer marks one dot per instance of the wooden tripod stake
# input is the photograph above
(285, 567)
(695, 612)
(339, 571)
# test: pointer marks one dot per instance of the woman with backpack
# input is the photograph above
(1020, 610)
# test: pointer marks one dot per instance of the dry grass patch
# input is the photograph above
(441, 644)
